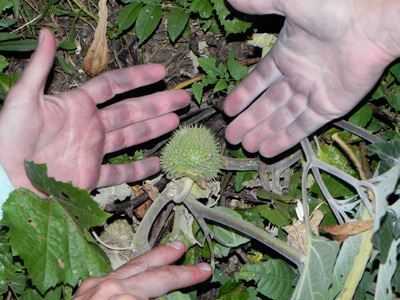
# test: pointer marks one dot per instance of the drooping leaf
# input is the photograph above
(274, 278)
(316, 277)
(147, 21)
(177, 20)
(51, 235)
(66, 67)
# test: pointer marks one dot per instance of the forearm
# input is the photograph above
(6, 187)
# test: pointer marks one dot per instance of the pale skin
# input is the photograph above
(328, 56)
(70, 135)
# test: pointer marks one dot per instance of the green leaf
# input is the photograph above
(128, 15)
(33, 294)
(220, 86)
(362, 116)
(316, 277)
(237, 71)
(66, 67)
(231, 25)
(383, 238)
(6, 36)
(275, 214)
(388, 152)
(67, 45)
(228, 236)
(6, 82)
(147, 21)
(5, 23)
(51, 235)
(3, 63)
(126, 159)
(11, 273)
(177, 20)
(19, 46)
(197, 90)
(344, 263)
(235, 291)
(395, 70)
(274, 278)
(202, 7)
(5, 4)
(209, 66)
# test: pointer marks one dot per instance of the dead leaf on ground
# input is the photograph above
(97, 58)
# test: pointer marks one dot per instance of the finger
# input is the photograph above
(258, 81)
(166, 279)
(160, 256)
(280, 119)
(304, 125)
(111, 83)
(119, 173)
(267, 104)
(34, 76)
(131, 111)
(140, 132)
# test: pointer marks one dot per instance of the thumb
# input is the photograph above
(34, 76)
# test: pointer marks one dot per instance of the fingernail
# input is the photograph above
(176, 245)
(41, 35)
(204, 266)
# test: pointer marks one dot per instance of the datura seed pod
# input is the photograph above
(192, 151)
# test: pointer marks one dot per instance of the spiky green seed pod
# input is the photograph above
(192, 151)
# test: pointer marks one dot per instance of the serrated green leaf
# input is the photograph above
(229, 237)
(237, 71)
(220, 86)
(147, 21)
(362, 116)
(6, 82)
(274, 278)
(276, 216)
(51, 235)
(230, 25)
(19, 45)
(3, 63)
(316, 277)
(202, 7)
(197, 90)
(33, 294)
(177, 20)
(209, 66)
(128, 15)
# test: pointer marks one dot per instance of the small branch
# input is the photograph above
(201, 211)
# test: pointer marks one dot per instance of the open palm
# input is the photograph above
(328, 56)
(71, 135)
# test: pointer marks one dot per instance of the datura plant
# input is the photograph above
(192, 160)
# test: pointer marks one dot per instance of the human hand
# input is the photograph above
(147, 276)
(328, 56)
(71, 135)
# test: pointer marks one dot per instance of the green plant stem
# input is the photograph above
(359, 264)
(140, 242)
(201, 211)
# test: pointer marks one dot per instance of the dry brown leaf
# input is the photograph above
(297, 234)
(97, 58)
(341, 232)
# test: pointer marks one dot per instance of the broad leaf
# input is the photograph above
(51, 235)
(202, 7)
(316, 277)
(362, 116)
(231, 25)
(177, 20)
(147, 21)
(274, 278)
(388, 152)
